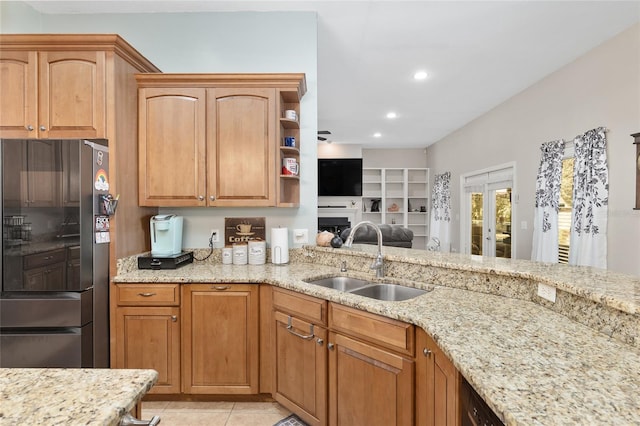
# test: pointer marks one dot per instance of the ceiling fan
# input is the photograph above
(323, 132)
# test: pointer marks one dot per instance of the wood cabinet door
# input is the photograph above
(241, 155)
(301, 368)
(19, 97)
(46, 278)
(71, 94)
(368, 385)
(172, 146)
(220, 339)
(437, 385)
(149, 337)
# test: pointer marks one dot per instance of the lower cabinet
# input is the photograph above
(368, 383)
(220, 339)
(147, 321)
(437, 385)
(300, 361)
(149, 337)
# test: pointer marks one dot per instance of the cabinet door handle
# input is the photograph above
(30, 128)
(146, 294)
(174, 318)
(212, 197)
(426, 352)
(330, 346)
(302, 336)
(201, 197)
(221, 287)
(42, 128)
(320, 342)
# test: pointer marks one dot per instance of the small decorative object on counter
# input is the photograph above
(323, 239)
(336, 242)
(240, 254)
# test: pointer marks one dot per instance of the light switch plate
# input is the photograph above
(301, 236)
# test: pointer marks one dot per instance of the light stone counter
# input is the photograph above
(535, 363)
(74, 396)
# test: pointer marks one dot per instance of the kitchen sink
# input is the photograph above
(388, 292)
(341, 283)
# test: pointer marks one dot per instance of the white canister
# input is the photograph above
(240, 254)
(227, 256)
(257, 252)
(291, 114)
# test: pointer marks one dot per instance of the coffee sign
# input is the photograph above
(243, 229)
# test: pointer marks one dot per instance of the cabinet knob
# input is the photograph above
(212, 197)
(30, 128)
(42, 128)
(330, 346)
(426, 352)
(319, 341)
(201, 197)
(174, 318)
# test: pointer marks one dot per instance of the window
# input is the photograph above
(565, 206)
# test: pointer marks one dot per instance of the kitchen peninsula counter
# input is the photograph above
(74, 396)
(534, 362)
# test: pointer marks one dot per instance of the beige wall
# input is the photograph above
(601, 88)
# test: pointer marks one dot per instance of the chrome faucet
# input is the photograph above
(378, 263)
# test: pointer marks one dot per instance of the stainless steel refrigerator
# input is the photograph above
(55, 202)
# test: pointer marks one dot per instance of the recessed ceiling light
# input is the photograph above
(391, 114)
(377, 135)
(420, 75)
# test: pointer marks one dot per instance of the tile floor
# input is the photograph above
(182, 413)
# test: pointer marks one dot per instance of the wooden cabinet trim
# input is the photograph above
(301, 305)
(386, 332)
(148, 294)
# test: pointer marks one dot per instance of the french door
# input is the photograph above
(488, 212)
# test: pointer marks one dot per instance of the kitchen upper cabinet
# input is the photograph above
(241, 153)
(437, 385)
(300, 366)
(369, 383)
(52, 94)
(172, 146)
(222, 132)
(220, 339)
(147, 332)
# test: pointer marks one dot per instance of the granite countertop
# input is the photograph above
(533, 366)
(53, 396)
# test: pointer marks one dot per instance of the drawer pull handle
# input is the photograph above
(146, 294)
(221, 287)
(302, 336)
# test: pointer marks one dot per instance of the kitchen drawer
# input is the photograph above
(386, 332)
(148, 294)
(300, 305)
(45, 258)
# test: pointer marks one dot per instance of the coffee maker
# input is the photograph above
(166, 235)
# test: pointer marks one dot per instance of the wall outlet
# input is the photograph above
(301, 236)
(547, 292)
(215, 235)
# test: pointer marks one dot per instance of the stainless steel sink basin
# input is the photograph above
(340, 283)
(389, 292)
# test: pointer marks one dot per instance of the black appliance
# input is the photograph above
(173, 261)
(340, 177)
(55, 203)
(475, 412)
(333, 224)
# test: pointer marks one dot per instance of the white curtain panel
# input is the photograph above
(590, 200)
(441, 210)
(545, 215)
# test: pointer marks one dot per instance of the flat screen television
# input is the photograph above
(339, 177)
